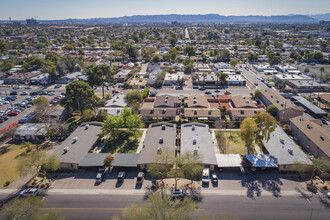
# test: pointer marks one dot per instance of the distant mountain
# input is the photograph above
(320, 16)
(208, 18)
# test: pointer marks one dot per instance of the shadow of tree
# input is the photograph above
(4, 150)
(254, 187)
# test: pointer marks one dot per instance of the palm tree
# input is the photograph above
(204, 75)
(218, 76)
(321, 70)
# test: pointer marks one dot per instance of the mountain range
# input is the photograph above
(205, 18)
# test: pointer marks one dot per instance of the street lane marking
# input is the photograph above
(93, 209)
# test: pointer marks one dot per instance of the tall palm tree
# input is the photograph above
(204, 75)
(321, 70)
(218, 76)
(223, 76)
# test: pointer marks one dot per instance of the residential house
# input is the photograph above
(115, 105)
(243, 107)
(122, 76)
(31, 132)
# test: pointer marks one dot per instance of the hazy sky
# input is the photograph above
(62, 9)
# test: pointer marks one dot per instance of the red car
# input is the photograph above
(115, 91)
(13, 113)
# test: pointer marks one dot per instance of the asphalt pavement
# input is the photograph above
(242, 207)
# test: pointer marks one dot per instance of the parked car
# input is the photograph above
(2, 120)
(16, 87)
(4, 117)
(202, 88)
(208, 92)
(115, 91)
(206, 176)
(29, 192)
(13, 113)
(13, 93)
(57, 86)
(154, 184)
(311, 186)
(121, 176)
(227, 93)
(214, 178)
(99, 177)
(140, 178)
(51, 93)
(34, 93)
(175, 193)
(28, 87)
(24, 93)
(44, 93)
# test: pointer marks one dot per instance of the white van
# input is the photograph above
(206, 176)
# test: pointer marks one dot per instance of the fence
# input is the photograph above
(10, 126)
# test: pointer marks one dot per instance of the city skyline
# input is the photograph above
(61, 9)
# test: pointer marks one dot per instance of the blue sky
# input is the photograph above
(62, 9)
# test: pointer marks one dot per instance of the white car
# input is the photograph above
(29, 192)
(175, 193)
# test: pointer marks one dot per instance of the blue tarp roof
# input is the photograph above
(262, 160)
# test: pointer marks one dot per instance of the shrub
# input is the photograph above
(7, 183)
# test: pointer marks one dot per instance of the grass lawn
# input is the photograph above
(124, 143)
(9, 159)
(232, 142)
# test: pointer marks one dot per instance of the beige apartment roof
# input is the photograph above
(196, 101)
(241, 101)
(201, 112)
(317, 134)
(279, 101)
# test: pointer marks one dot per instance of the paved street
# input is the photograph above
(107, 206)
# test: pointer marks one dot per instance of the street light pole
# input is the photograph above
(310, 204)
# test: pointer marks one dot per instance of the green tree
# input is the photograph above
(134, 122)
(37, 62)
(27, 145)
(266, 125)
(22, 208)
(131, 51)
(233, 62)
(173, 41)
(248, 132)
(306, 70)
(156, 58)
(287, 129)
(38, 163)
(272, 109)
(192, 166)
(188, 68)
(173, 52)
(223, 77)
(134, 97)
(111, 126)
(41, 102)
(257, 94)
(161, 208)
(145, 93)
(87, 115)
(180, 82)
(189, 50)
(100, 75)
(79, 96)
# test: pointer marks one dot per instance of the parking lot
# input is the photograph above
(252, 184)
(86, 179)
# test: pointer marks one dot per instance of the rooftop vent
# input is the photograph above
(86, 126)
(195, 97)
(290, 150)
(65, 150)
(161, 141)
(195, 101)
(309, 126)
(164, 111)
(282, 141)
(243, 97)
(195, 151)
(159, 150)
(75, 139)
(163, 127)
(322, 138)
(194, 142)
(166, 97)
(195, 112)
(193, 127)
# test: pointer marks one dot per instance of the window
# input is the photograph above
(322, 138)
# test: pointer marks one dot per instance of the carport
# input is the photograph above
(230, 162)
(93, 160)
(262, 160)
(125, 160)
